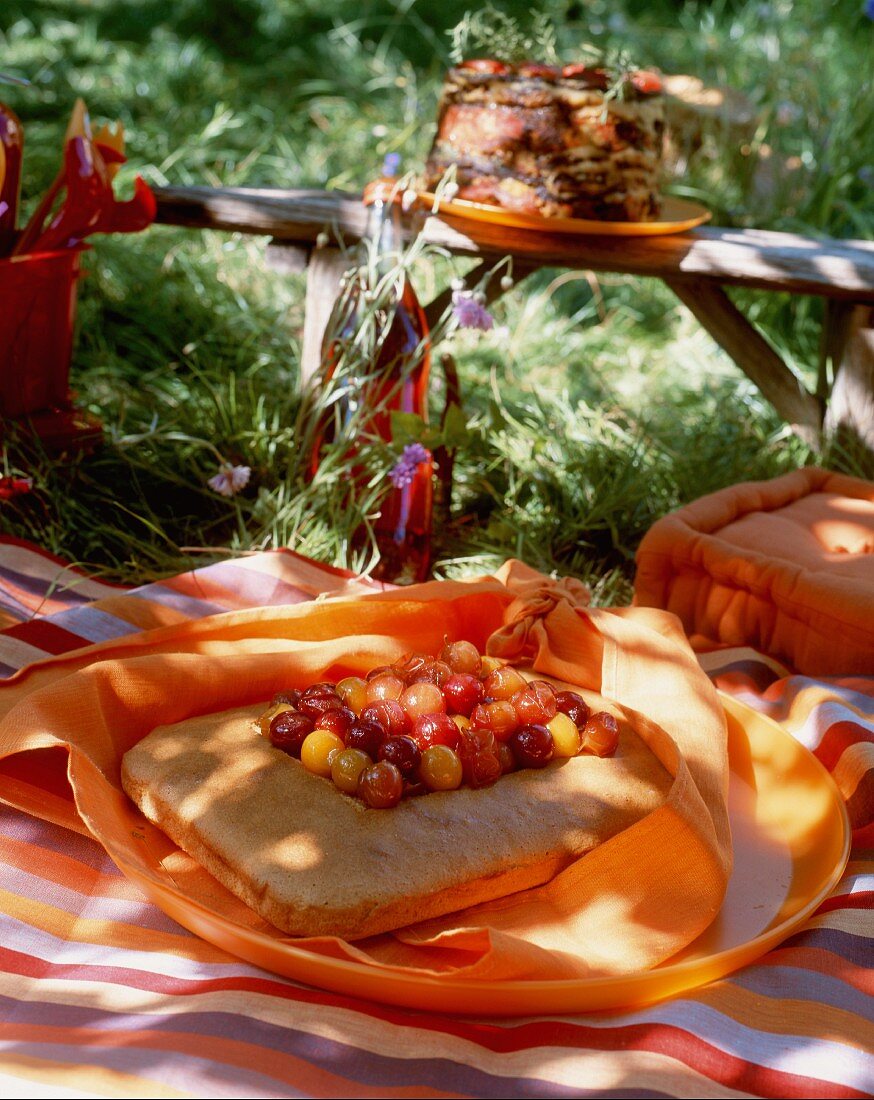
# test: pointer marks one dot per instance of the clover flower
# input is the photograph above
(470, 313)
(404, 470)
(230, 479)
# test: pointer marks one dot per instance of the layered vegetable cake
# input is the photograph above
(560, 142)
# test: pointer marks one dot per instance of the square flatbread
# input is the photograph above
(314, 861)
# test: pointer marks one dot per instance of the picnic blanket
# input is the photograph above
(103, 994)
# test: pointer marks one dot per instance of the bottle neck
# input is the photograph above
(384, 235)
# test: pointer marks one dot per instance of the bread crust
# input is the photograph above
(314, 861)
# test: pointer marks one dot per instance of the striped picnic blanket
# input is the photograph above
(102, 994)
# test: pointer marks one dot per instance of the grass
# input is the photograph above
(602, 408)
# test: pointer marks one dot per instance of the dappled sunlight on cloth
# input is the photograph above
(627, 905)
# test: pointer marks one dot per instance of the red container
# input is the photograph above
(37, 312)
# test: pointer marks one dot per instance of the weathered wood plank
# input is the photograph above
(753, 258)
(326, 268)
(850, 417)
(753, 354)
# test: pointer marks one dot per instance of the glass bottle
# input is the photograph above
(393, 378)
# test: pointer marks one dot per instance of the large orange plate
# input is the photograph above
(791, 840)
(677, 215)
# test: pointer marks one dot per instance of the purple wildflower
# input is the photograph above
(868, 8)
(404, 470)
(469, 312)
(230, 479)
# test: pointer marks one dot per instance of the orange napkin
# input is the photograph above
(630, 904)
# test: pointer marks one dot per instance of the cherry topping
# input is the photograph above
(441, 768)
(381, 785)
(433, 672)
(404, 753)
(409, 665)
(592, 78)
(499, 717)
(600, 734)
(485, 65)
(339, 721)
(535, 70)
(462, 692)
(390, 715)
(380, 670)
(367, 736)
(387, 686)
(506, 757)
(288, 731)
(535, 703)
(503, 683)
(574, 706)
(478, 752)
(532, 746)
(353, 691)
(346, 769)
(291, 698)
(421, 699)
(435, 729)
(324, 687)
(647, 82)
(316, 705)
(462, 657)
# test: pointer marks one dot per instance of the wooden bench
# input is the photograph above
(697, 266)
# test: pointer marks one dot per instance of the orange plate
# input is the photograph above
(677, 215)
(791, 843)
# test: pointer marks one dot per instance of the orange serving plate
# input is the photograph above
(677, 215)
(791, 841)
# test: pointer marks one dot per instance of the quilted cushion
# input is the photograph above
(786, 566)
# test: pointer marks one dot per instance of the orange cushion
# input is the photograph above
(785, 565)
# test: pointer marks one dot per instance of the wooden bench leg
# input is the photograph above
(850, 416)
(327, 266)
(753, 354)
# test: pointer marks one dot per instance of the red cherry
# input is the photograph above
(381, 670)
(316, 705)
(503, 683)
(435, 729)
(324, 687)
(535, 71)
(462, 656)
(366, 736)
(288, 731)
(462, 692)
(404, 753)
(535, 703)
(592, 78)
(480, 757)
(485, 65)
(409, 665)
(381, 785)
(387, 686)
(421, 699)
(499, 717)
(433, 672)
(532, 746)
(338, 721)
(647, 82)
(389, 714)
(574, 706)
(600, 735)
(286, 698)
